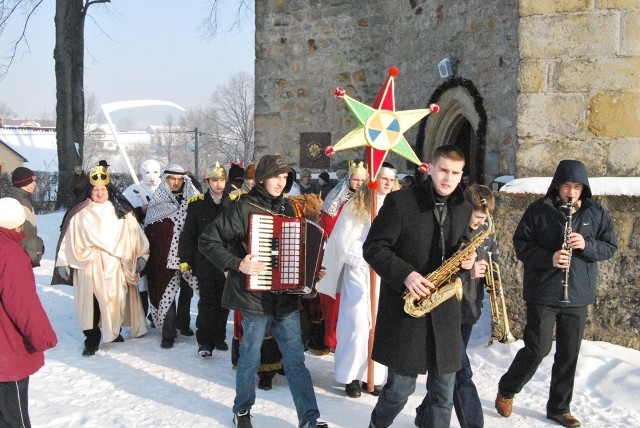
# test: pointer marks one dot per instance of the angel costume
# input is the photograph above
(347, 273)
(102, 249)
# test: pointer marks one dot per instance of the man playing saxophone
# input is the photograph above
(416, 231)
(538, 243)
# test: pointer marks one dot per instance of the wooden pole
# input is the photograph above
(374, 302)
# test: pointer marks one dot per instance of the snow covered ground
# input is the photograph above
(138, 384)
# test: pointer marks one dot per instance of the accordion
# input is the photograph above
(290, 247)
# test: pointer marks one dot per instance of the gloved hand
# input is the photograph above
(140, 264)
(185, 267)
(64, 272)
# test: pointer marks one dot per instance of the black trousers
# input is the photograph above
(211, 322)
(92, 336)
(14, 404)
(538, 338)
(183, 315)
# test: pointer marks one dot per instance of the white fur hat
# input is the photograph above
(11, 213)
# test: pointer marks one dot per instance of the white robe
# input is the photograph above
(348, 273)
(103, 251)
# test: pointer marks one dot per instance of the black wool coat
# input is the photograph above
(405, 237)
(200, 212)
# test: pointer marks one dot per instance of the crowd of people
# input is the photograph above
(137, 257)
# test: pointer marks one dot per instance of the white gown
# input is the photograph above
(350, 272)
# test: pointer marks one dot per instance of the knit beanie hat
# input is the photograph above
(271, 166)
(324, 175)
(235, 172)
(22, 176)
(11, 213)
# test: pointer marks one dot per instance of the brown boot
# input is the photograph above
(565, 419)
(504, 405)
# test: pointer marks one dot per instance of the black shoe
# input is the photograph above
(205, 350)
(376, 389)
(221, 345)
(166, 343)
(118, 339)
(353, 389)
(322, 424)
(265, 382)
(89, 350)
(242, 419)
(186, 331)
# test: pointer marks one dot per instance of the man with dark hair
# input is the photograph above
(554, 257)
(416, 230)
(24, 183)
(225, 242)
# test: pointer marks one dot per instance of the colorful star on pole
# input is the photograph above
(381, 127)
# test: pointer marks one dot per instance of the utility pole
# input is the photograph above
(195, 151)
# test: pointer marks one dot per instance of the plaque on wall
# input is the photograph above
(312, 146)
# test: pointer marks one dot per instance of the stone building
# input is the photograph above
(531, 82)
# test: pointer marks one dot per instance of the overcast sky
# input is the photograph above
(142, 49)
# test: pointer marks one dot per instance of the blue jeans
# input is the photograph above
(396, 392)
(286, 332)
(465, 395)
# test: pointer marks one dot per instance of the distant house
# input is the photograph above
(9, 158)
(33, 146)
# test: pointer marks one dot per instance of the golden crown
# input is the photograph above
(215, 172)
(355, 167)
(99, 176)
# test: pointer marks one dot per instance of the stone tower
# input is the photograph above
(532, 81)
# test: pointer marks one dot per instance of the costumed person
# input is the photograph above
(23, 182)
(163, 225)
(139, 197)
(225, 242)
(248, 182)
(348, 273)
(103, 163)
(466, 401)
(101, 251)
(416, 230)
(559, 284)
(25, 330)
(329, 214)
(211, 322)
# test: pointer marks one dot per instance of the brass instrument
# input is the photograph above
(500, 330)
(446, 285)
(564, 297)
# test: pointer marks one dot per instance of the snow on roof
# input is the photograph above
(599, 185)
(37, 146)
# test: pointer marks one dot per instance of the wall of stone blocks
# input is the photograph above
(305, 49)
(579, 84)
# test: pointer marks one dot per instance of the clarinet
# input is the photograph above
(564, 298)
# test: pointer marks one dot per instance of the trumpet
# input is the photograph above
(500, 330)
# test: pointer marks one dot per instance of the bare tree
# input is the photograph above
(94, 135)
(210, 23)
(234, 105)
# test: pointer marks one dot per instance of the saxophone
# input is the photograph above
(446, 284)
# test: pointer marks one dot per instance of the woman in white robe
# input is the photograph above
(347, 269)
(106, 252)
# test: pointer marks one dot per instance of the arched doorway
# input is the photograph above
(461, 121)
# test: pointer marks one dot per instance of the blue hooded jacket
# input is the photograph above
(540, 234)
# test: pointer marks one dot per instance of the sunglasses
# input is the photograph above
(96, 176)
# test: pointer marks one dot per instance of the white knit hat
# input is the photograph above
(11, 213)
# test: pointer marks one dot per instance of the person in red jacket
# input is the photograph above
(25, 331)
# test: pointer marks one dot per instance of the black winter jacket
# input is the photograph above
(200, 212)
(540, 233)
(224, 242)
(405, 237)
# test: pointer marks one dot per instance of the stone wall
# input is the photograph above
(305, 49)
(615, 317)
(579, 83)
